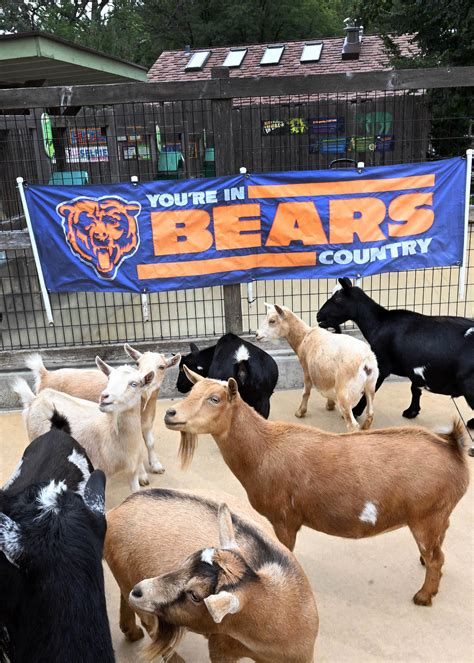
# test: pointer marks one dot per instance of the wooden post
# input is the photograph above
(225, 165)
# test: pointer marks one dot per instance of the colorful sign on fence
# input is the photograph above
(169, 235)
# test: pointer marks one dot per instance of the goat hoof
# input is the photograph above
(299, 414)
(410, 414)
(157, 469)
(422, 598)
(135, 634)
(330, 405)
(144, 481)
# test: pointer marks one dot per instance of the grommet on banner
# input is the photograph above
(360, 166)
(134, 179)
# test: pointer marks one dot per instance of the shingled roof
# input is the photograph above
(170, 66)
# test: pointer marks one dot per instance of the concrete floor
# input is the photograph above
(363, 588)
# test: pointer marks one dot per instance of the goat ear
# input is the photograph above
(280, 311)
(10, 539)
(194, 348)
(222, 604)
(226, 529)
(148, 378)
(134, 354)
(232, 389)
(267, 305)
(172, 361)
(101, 365)
(345, 283)
(191, 375)
(94, 492)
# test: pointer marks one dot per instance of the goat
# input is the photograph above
(110, 432)
(220, 573)
(89, 384)
(434, 352)
(353, 485)
(341, 367)
(255, 371)
(54, 455)
(52, 601)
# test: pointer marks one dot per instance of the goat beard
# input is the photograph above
(166, 637)
(187, 448)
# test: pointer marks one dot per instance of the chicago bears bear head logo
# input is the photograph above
(102, 232)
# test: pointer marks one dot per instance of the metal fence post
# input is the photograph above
(225, 165)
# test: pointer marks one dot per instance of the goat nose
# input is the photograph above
(137, 593)
(103, 397)
(170, 412)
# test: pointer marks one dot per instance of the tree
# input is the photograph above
(443, 31)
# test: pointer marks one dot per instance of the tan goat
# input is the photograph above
(89, 384)
(342, 368)
(353, 485)
(220, 573)
(109, 431)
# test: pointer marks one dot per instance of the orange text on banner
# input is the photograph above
(296, 220)
(168, 270)
(407, 208)
(182, 231)
(340, 188)
(356, 216)
(234, 229)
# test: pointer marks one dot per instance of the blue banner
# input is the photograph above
(169, 235)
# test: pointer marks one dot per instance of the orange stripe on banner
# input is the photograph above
(170, 270)
(340, 188)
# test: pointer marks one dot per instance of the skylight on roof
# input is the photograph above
(234, 57)
(311, 51)
(273, 54)
(197, 60)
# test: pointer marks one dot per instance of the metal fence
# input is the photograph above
(163, 134)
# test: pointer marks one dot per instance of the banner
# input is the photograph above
(169, 235)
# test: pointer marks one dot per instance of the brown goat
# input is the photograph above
(353, 485)
(221, 574)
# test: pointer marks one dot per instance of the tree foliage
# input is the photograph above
(139, 30)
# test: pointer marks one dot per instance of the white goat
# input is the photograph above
(110, 432)
(89, 384)
(342, 368)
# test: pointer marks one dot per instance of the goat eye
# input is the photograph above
(271, 322)
(134, 384)
(161, 368)
(194, 597)
(215, 399)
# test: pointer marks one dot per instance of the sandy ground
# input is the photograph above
(363, 588)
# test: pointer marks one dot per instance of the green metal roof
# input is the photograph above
(42, 59)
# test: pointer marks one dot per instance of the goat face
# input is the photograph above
(196, 361)
(275, 324)
(152, 361)
(340, 307)
(209, 585)
(124, 388)
(206, 408)
(48, 535)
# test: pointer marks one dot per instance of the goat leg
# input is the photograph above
(413, 409)
(154, 462)
(430, 536)
(128, 625)
(301, 411)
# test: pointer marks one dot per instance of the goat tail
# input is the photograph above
(456, 437)
(187, 448)
(35, 363)
(22, 388)
(60, 422)
(165, 639)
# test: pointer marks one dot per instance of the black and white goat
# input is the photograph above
(52, 530)
(54, 455)
(254, 370)
(434, 352)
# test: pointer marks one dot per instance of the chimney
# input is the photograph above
(353, 40)
(187, 49)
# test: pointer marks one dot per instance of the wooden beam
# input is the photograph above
(218, 88)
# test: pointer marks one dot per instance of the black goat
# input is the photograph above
(54, 455)
(52, 601)
(434, 352)
(255, 371)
